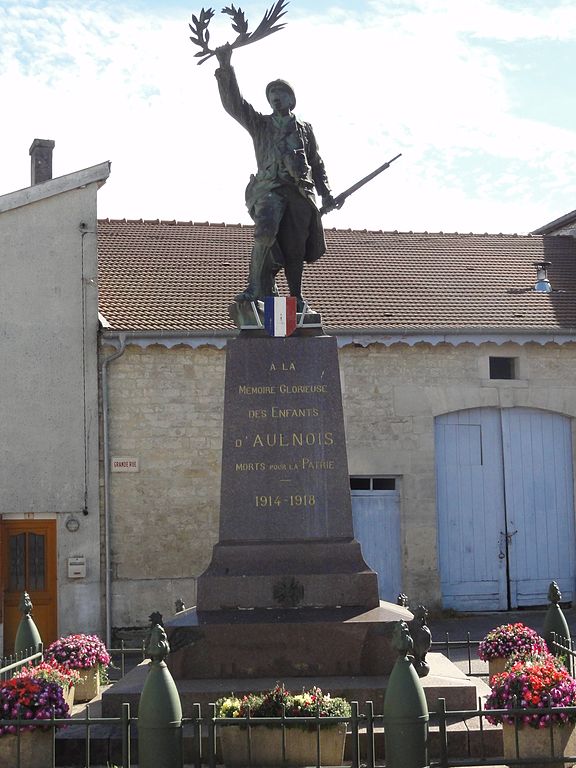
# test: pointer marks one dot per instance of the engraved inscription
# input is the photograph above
(284, 469)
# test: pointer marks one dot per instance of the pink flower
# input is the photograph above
(78, 652)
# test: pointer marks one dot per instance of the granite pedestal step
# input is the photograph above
(343, 640)
(444, 681)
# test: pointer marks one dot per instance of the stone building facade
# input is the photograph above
(167, 413)
(464, 346)
(459, 405)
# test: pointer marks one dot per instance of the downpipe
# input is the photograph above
(107, 490)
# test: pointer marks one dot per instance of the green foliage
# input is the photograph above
(278, 701)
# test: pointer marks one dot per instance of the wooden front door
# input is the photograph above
(29, 564)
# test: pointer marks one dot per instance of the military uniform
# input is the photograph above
(280, 196)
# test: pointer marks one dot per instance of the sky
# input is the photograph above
(477, 95)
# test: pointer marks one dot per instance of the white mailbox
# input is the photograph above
(77, 567)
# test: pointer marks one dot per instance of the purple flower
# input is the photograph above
(510, 639)
(79, 651)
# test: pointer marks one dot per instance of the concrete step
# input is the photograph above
(445, 680)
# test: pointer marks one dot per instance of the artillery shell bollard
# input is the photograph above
(160, 710)
(555, 622)
(28, 640)
(405, 709)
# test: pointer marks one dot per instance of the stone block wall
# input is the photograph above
(166, 410)
(391, 397)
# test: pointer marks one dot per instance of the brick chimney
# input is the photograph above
(41, 160)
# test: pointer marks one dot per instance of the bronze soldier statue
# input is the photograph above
(280, 196)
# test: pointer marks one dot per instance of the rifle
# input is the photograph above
(338, 201)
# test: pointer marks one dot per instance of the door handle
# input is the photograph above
(508, 537)
(501, 554)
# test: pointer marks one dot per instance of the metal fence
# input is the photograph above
(364, 740)
(123, 659)
(455, 738)
(11, 664)
(448, 647)
(564, 647)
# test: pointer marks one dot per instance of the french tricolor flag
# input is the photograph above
(280, 315)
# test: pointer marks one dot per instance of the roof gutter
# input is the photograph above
(216, 338)
(453, 336)
(346, 335)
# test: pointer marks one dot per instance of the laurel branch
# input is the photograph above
(269, 24)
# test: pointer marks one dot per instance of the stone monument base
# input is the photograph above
(275, 575)
(445, 680)
(289, 642)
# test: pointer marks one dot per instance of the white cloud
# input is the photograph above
(122, 84)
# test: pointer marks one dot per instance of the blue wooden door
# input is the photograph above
(505, 507)
(470, 501)
(539, 504)
(377, 527)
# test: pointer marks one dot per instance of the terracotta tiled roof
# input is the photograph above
(162, 275)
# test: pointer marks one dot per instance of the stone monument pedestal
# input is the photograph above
(287, 592)
(287, 596)
(283, 643)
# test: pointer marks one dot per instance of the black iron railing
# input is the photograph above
(364, 740)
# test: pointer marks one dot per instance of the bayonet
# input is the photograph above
(338, 201)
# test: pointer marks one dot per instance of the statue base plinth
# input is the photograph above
(256, 643)
(296, 574)
(249, 316)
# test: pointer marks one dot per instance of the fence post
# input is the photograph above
(355, 727)
(555, 621)
(405, 709)
(197, 723)
(160, 710)
(28, 638)
(125, 735)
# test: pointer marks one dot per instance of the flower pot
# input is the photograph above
(88, 687)
(35, 749)
(537, 742)
(266, 746)
(68, 693)
(496, 665)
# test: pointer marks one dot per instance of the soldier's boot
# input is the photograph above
(258, 276)
(294, 279)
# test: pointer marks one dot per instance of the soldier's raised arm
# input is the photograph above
(232, 100)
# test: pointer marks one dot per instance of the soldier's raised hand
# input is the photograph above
(224, 54)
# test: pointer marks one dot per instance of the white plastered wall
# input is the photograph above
(48, 378)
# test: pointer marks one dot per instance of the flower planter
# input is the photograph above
(496, 665)
(88, 687)
(69, 697)
(35, 749)
(266, 746)
(536, 742)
